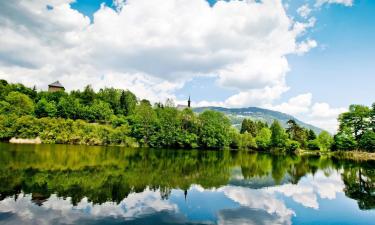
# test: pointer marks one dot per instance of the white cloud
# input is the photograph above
(243, 43)
(294, 106)
(343, 2)
(304, 11)
(319, 114)
(306, 46)
(324, 116)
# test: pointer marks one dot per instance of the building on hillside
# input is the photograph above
(182, 107)
(56, 86)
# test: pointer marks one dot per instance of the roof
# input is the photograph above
(56, 84)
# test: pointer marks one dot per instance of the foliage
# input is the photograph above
(213, 130)
(325, 141)
(279, 136)
(344, 141)
(263, 140)
(292, 146)
(115, 117)
(356, 120)
(356, 129)
(367, 141)
(17, 103)
(298, 133)
(45, 108)
(313, 145)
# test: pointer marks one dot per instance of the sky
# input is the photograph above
(308, 58)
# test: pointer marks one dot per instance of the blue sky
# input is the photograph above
(310, 58)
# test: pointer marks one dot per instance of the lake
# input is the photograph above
(63, 184)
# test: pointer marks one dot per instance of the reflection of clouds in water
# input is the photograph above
(261, 200)
(306, 191)
(242, 216)
(60, 211)
(257, 206)
(327, 187)
(302, 194)
(264, 206)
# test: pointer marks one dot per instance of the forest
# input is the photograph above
(117, 117)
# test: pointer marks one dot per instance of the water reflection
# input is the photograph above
(57, 184)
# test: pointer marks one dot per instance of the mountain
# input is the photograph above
(236, 115)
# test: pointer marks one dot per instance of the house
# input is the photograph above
(56, 86)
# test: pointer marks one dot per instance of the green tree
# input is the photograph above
(88, 95)
(169, 126)
(112, 97)
(344, 141)
(313, 145)
(128, 102)
(214, 129)
(45, 109)
(296, 132)
(144, 123)
(311, 135)
(263, 139)
(70, 108)
(279, 136)
(367, 141)
(356, 120)
(249, 126)
(372, 120)
(99, 110)
(19, 104)
(325, 141)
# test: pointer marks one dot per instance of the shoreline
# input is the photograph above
(348, 155)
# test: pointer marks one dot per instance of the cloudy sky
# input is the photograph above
(309, 58)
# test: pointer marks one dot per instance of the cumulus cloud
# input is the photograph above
(296, 105)
(320, 114)
(343, 2)
(306, 46)
(243, 43)
(304, 11)
(324, 116)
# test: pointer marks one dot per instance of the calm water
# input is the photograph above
(57, 184)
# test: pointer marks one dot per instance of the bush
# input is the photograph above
(313, 145)
(292, 146)
(344, 141)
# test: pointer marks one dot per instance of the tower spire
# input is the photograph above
(189, 102)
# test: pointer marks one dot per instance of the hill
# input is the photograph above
(236, 116)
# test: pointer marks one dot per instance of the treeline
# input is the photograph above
(107, 117)
(117, 117)
(264, 137)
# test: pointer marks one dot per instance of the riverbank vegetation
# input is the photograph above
(117, 117)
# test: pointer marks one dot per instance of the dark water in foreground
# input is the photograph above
(57, 184)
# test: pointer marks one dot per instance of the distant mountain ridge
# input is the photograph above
(237, 115)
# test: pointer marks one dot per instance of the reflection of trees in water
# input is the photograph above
(360, 185)
(111, 174)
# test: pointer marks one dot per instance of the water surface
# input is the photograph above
(60, 184)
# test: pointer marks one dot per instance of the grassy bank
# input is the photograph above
(352, 155)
